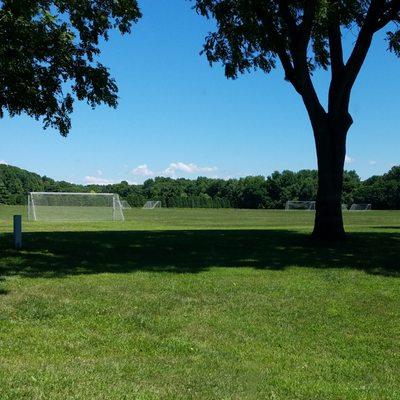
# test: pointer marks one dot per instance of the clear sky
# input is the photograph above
(179, 117)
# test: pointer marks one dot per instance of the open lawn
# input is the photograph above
(200, 304)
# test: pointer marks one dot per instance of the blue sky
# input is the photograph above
(179, 117)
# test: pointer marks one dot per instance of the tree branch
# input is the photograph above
(287, 65)
(287, 18)
(335, 48)
(336, 87)
(300, 34)
(299, 37)
(307, 23)
(363, 43)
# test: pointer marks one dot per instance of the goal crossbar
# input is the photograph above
(75, 193)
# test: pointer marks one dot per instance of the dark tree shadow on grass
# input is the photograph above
(190, 251)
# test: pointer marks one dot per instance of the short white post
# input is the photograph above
(17, 231)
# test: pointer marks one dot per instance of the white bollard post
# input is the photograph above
(17, 231)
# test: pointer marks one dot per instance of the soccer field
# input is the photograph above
(197, 218)
(200, 304)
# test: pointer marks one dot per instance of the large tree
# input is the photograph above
(48, 55)
(303, 35)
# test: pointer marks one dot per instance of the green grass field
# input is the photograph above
(200, 304)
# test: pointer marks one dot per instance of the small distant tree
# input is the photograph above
(351, 183)
(48, 55)
(4, 195)
(304, 35)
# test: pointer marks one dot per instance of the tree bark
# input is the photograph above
(330, 139)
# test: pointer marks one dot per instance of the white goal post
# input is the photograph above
(125, 205)
(61, 206)
(300, 205)
(152, 204)
(360, 207)
(305, 205)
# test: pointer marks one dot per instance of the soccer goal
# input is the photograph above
(125, 205)
(151, 205)
(360, 207)
(53, 206)
(300, 205)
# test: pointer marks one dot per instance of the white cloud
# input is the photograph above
(349, 160)
(142, 170)
(94, 180)
(187, 168)
(372, 162)
(99, 172)
(172, 170)
(3, 162)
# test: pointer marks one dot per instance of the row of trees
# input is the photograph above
(383, 192)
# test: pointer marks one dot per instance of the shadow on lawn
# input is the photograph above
(190, 251)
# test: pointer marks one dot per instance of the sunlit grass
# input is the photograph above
(139, 219)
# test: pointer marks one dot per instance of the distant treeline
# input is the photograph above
(383, 192)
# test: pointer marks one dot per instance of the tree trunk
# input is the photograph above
(330, 139)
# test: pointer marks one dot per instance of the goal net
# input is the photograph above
(125, 205)
(360, 207)
(50, 206)
(300, 205)
(150, 205)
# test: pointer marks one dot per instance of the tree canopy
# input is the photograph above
(49, 55)
(302, 34)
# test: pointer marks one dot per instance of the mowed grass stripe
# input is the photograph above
(204, 219)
